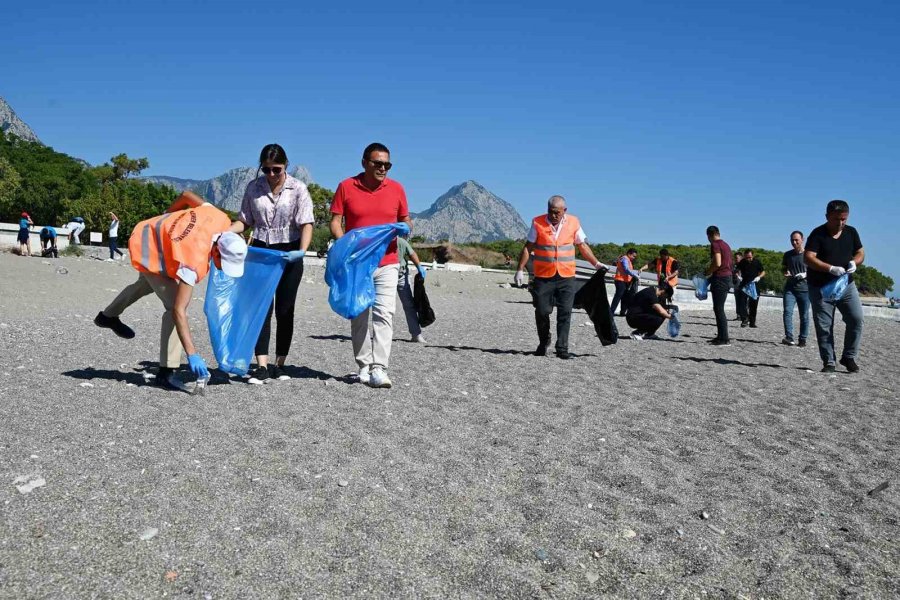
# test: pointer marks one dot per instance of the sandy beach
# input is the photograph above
(664, 469)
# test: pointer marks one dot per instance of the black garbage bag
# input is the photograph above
(420, 299)
(593, 299)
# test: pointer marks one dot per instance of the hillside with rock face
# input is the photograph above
(225, 191)
(469, 213)
(10, 121)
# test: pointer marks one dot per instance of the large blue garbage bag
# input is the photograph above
(750, 290)
(351, 262)
(701, 287)
(834, 289)
(236, 307)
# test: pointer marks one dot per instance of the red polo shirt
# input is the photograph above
(362, 207)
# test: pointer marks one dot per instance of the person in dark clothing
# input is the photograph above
(796, 291)
(720, 272)
(736, 278)
(751, 271)
(647, 311)
(832, 250)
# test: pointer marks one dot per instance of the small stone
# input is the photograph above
(343, 483)
(629, 534)
(28, 483)
(148, 534)
(62, 271)
(541, 554)
(592, 577)
(716, 529)
(85, 384)
(704, 515)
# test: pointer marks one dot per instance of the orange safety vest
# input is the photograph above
(621, 273)
(666, 274)
(162, 244)
(554, 255)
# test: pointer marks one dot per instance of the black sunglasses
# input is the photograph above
(272, 170)
(379, 164)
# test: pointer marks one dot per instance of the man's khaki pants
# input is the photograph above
(374, 350)
(165, 288)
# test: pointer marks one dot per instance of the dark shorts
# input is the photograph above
(23, 236)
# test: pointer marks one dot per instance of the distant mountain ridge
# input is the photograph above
(468, 212)
(226, 190)
(10, 121)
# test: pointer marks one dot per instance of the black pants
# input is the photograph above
(746, 306)
(644, 324)
(624, 292)
(719, 287)
(559, 292)
(114, 247)
(283, 305)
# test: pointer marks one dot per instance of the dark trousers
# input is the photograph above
(746, 306)
(624, 292)
(559, 292)
(719, 287)
(114, 247)
(283, 305)
(644, 324)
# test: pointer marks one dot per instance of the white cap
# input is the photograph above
(232, 251)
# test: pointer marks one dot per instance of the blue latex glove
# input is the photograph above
(198, 366)
(421, 270)
(295, 256)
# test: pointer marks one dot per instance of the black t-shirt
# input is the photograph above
(837, 252)
(749, 269)
(642, 302)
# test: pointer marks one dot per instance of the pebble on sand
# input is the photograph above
(27, 483)
(85, 384)
(343, 483)
(148, 534)
(629, 534)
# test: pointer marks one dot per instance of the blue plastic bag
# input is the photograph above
(236, 307)
(352, 261)
(674, 323)
(834, 289)
(701, 287)
(750, 290)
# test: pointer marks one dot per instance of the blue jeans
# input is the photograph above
(850, 308)
(796, 295)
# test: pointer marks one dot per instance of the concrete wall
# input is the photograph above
(9, 233)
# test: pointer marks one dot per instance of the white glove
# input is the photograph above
(800, 275)
(739, 278)
(519, 279)
(837, 271)
(600, 265)
(756, 280)
(851, 267)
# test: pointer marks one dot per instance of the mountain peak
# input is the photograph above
(10, 121)
(468, 212)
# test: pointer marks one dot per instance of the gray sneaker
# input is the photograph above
(378, 378)
(364, 375)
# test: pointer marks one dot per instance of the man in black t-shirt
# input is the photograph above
(833, 250)
(796, 291)
(751, 271)
(647, 311)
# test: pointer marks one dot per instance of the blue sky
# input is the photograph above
(654, 119)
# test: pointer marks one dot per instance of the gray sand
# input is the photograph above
(485, 472)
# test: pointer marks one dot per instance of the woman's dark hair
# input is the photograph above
(273, 153)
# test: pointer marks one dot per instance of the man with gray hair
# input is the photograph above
(552, 240)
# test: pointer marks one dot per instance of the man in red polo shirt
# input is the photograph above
(370, 198)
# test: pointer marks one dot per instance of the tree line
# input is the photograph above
(54, 187)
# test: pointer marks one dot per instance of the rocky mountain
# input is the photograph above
(10, 121)
(226, 190)
(469, 213)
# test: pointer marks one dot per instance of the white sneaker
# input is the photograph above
(364, 375)
(637, 337)
(378, 378)
(419, 339)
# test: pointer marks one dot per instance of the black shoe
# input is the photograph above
(828, 368)
(541, 350)
(258, 376)
(721, 343)
(277, 373)
(752, 325)
(164, 378)
(851, 365)
(563, 354)
(119, 328)
(712, 341)
(787, 341)
(801, 344)
(745, 323)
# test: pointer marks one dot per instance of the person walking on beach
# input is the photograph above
(834, 249)
(647, 311)
(279, 209)
(114, 236)
(48, 242)
(552, 239)
(625, 281)
(750, 270)
(24, 236)
(366, 199)
(720, 274)
(796, 291)
(171, 253)
(406, 253)
(666, 268)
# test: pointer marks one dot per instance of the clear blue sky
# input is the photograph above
(654, 119)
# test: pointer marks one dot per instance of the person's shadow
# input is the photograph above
(729, 361)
